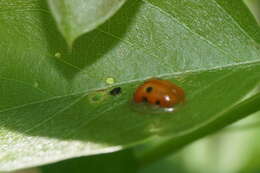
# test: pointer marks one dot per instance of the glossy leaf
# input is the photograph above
(75, 18)
(55, 104)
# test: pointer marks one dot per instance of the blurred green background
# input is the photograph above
(235, 149)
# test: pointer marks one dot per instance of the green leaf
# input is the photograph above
(116, 162)
(170, 164)
(55, 104)
(75, 18)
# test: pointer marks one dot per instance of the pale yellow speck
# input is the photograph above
(110, 80)
(36, 84)
(57, 54)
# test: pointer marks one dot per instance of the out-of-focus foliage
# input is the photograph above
(235, 149)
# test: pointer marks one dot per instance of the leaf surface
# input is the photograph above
(55, 104)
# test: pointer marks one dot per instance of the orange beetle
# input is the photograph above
(159, 92)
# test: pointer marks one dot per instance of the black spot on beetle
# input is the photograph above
(149, 89)
(145, 99)
(158, 102)
(115, 91)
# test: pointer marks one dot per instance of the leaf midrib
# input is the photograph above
(166, 75)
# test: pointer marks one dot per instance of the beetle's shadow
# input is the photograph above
(88, 48)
